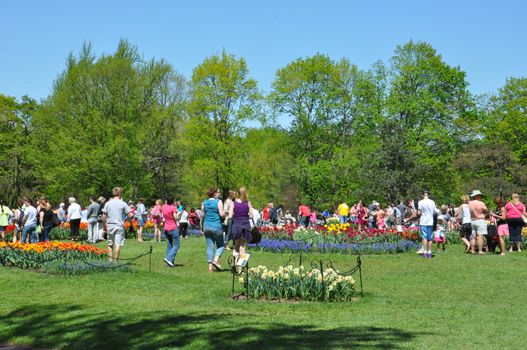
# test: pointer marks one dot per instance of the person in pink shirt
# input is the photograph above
(514, 213)
(170, 230)
(313, 217)
(157, 219)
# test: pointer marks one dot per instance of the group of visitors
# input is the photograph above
(473, 219)
(34, 220)
(232, 219)
(236, 214)
(478, 223)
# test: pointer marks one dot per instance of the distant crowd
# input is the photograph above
(232, 219)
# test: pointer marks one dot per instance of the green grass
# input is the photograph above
(451, 301)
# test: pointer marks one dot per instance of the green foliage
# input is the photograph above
(222, 98)
(330, 102)
(16, 130)
(507, 118)
(384, 133)
(431, 102)
(97, 128)
(490, 167)
(289, 282)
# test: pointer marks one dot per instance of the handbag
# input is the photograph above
(55, 220)
(521, 215)
(256, 235)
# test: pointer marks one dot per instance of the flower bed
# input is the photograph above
(297, 284)
(292, 246)
(35, 256)
(337, 233)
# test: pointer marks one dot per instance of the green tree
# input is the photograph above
(93, 132)
(267, 167)
(491, 168)
(334, 106)
(223, 98)
(507, 118)
(16, 127)
(392, 171)
(430, 99)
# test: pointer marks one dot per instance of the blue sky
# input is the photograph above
(487, 39)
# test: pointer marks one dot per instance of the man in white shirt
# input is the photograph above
(425, 212)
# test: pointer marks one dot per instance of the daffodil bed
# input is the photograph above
(298, 284)
(39, 255)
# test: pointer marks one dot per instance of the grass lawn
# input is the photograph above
(451, 301)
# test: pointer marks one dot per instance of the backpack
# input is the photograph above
(273, 215)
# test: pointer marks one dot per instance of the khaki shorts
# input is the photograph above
(115, 235)
(479, 227)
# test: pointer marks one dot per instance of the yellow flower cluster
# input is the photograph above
(331, 277)
(337, 227)
(283, 272)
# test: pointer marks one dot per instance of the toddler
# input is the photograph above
(440, 232)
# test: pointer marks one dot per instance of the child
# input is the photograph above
(440, 232)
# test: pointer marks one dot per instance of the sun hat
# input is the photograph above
(476, 193)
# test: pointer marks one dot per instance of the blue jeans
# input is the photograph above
(343, 219)
(29, 230)
(172, 244)
(45, 232)
(214, 237)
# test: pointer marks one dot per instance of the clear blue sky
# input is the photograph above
(487, 39)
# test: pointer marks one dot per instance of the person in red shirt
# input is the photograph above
(265, 214)
(304, 213)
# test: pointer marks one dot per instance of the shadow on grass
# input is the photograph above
(62, 326)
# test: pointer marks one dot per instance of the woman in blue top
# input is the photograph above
(212, 228)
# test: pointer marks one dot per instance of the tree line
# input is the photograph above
(384, 133)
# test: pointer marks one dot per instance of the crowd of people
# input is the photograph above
(219, 222)
(476, 223)
(231, 220)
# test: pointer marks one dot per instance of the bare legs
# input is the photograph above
(502, 246)
(140, 234)
(113, 254)
(467, 244)
(479, 240)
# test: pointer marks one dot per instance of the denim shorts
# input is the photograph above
(427, 232)
(140, 222)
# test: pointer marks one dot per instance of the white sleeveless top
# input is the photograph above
(466, 214)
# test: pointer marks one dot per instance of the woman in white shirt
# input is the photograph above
(183, 222)
(74, 217)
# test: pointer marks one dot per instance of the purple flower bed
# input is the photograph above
(279, 246)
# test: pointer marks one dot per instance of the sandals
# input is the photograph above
(217, 266)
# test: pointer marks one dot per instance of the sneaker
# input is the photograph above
(168, 262)
(424, 255)
(420, 251)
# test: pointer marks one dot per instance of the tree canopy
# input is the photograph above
(383, 133)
